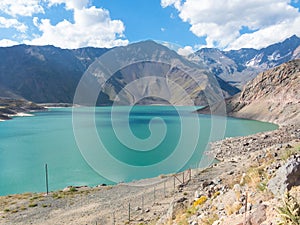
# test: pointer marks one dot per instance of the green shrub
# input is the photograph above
(289, 212)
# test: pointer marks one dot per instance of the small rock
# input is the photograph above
(288, 146)
(258, 216)
(206, 184)
(237, 188)
(217, 181)
(221, 207)
(198, 194)
(231, 172)
(183, 199)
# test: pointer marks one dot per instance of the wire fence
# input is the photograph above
(142, 207)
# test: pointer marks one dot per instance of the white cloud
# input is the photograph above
(187, 50)
(21, 7)
(265, 37)
(166, 3)
(7, 43)
(92, 27)
(70, 4)
(220, 22)
(12, 23)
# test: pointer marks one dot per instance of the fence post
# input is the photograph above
(164, 188)
(129, 212)
(46, 171)
(246, 204)
(154, 194)
(114, 218)
(190, 174)
(143, 204)
(183, 177)
(174, 183)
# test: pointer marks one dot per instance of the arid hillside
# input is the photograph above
(272, 96)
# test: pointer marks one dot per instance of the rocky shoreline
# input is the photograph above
(10, 108)
(242, 146)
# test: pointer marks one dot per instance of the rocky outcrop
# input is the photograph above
(11, 107)
(273, 96)
(231, 147)
(286, 177)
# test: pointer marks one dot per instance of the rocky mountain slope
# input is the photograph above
(272, 96)
(159, 75)
(239, 66)
(48, 74)
(43, 73)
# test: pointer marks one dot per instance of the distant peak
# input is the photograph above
(292, 38)
(208, 50)
(149, 41)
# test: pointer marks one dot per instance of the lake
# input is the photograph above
(141, 142)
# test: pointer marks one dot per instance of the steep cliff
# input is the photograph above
(272, 96)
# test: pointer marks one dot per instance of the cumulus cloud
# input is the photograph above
(92, 27)
(187, 50)
(222, 22)
(265, 36)
(7, 43)
(12, 23)
(70, 4)
(20, 7)
(166, 3)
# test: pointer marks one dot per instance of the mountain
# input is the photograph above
(150, 73)
(272, 96)
(43, 73)
(48, 74)
(239, 66)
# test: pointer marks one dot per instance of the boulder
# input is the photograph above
(286, 176)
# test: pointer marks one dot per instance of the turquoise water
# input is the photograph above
(27, 143)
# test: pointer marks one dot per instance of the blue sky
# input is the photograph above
(146, 19)
(191, 24)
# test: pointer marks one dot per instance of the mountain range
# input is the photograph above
(237, 67)
(44, 74)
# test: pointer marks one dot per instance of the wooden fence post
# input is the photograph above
(47, 185)
(129, 212)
